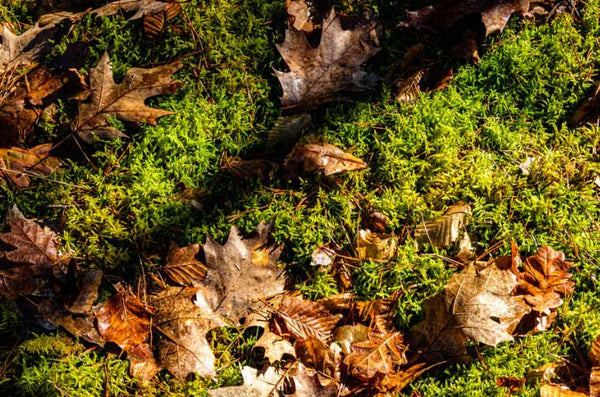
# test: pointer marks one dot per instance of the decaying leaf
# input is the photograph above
(299, 15)
(377, 314)
(275, 347)
(446, 229)
(396, 381)
(301, 319)
(124, 320)
(306, 382)
(257, 168)
(20, 165)
(323, 256)
(376, 246)
(317, 75)
(256, 384)
(543, 282)
(315, 354)
(475, 305)
(182, 320)
(183, 267)
(286, 132)
(241, 271)
(328, 158)
(559, 391)
(380, 354)
(445, 13)
(124, 101)
(347, 334)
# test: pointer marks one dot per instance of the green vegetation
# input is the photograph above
(119, 212)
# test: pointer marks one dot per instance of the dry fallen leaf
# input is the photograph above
(345, 335)
(559, 391)
(379, 354)
(446, 229)
(315, 354)
(241, 271)
(301, 319)
(275, 347)
(155, 22)
(328, 158)
(251, 169)
(376, 246)
(183, 267)
(124, 101)
(476, 305)
(140, 7)
(20, 165)
(317, 75)
(256, 384)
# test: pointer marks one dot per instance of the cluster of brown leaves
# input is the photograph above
(29, 97)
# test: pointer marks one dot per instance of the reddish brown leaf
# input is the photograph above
(328, 158)
(380, 354)
(154, 23)
(393, 383)
(20, 165)
(250, 169)
(124, 101)
(182, 266)
(301, 319)
(512, 383)
(317, 74)
(124, 320)
(34, 245)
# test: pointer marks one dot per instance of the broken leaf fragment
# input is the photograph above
(124, 101)
(320, 74)
(19, 166)
(327, 158)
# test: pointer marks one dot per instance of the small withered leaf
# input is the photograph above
(327, 158)
(124, 320)
(315, 354)
(34, 245)
(124, 101)
(183, 267)
(319, 74)
(301, 319)
(376, 246)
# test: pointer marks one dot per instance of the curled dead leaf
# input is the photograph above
(328, 158)
(446, 229)
(376, 246)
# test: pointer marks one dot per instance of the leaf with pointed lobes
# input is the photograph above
(446, 229)
(183, 267)
(476, 305)
(445, 13)
(319, 75)
(181, 322)
(124, 101)
(327, 158)
(543, 283)
(301, 319)
(19, 166)
(124, 320)
(380, 354)
(241, 272)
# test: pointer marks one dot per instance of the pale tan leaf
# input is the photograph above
(274, 346)
(256, 384)
(376, 246)
(594, 353)
(315, 354)
(446, 229)
(559, 391)
(345, 335)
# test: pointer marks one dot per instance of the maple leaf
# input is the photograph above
(445, 13)
(317, 74)
(19, 165)
(241, 271)
(301, 319)
(543, 282)
(124, 320)
(379, 354)
(446, 229)
(124, 101)
(476, 305)
(183, 267)
(328, 158)
(182, 320)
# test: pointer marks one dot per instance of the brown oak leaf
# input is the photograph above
(241, 271)
(327, 158)
(301, 319)
(124, 101)
(317, 75)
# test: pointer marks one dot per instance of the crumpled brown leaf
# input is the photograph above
(543, 283)
(445, 13)
(446, 229)
(20, 165)
(183, 267)
(182, 320)
(476, 305)
(379, 354)
(301, 319)
(241, 271)
(315, 354)
(124, 101)
(319, 74)
(328, 158)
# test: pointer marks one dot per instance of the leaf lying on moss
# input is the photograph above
(328, 158)
(589, 110)
(140, 7)
(124, 101)
(376, 246)
(317, 75)
(20, 165)
(446, 229)
(183, 267)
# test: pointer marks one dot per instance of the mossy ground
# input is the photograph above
(463, 143)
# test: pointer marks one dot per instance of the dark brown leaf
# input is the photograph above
(124, 320)
(328, 158)
(589, 110)
(183, 267)
(393, 383)
(301, 319)
(251, 169)
(124, 101)
(380, 354)
(317, 75)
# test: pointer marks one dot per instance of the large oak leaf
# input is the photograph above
(124, 101)
(317, 75)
